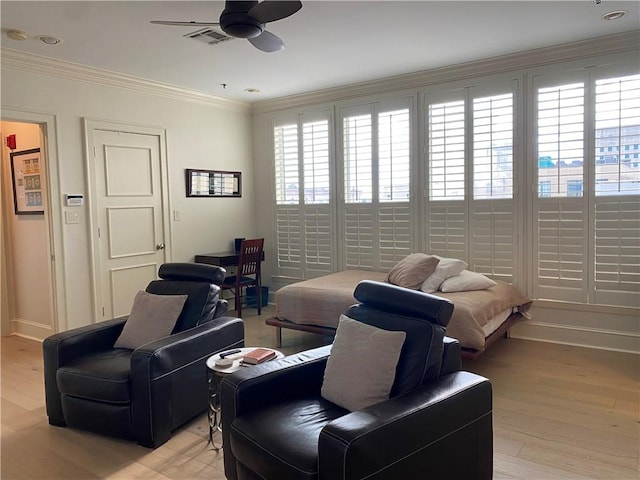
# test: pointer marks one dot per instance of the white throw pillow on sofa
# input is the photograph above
(362, 364)
(447, 267)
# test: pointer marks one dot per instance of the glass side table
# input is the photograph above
(214, 376)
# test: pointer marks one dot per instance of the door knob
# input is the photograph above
(160, 246)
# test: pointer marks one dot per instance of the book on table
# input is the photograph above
(259, 355)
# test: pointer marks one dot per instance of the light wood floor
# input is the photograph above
(560, 412)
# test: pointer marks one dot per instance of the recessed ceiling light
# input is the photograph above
(252, 90)
(49, 40)
(16, 35)
(615, 15)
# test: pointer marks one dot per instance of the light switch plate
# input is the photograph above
(71, 217)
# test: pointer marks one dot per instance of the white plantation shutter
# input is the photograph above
(447, 229)
(288, 221)
(446, 223)
(446, 151)
(394, 187)
(493, 226)
(560, 137)
(288, 239)
(285, 144)
(315, 145)
(493, 248)
(358, 158)
(304, 218)
(359, 236)
(318, 239)
(561, 250)
(394, 233)
(560, 230)
(617, 252)
(587, 231)
(470, 207)
(616, 278)
(394, 156)
(617, 143)
(317, 208)
(377, 223)
(493, 147)
(359, 219)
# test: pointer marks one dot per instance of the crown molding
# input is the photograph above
(594, 47)
(10, 58)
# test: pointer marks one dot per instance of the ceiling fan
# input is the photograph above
(247, 20)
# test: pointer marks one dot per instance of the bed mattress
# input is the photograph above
(320, 301)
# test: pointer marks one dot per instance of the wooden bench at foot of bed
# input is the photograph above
(501, 331)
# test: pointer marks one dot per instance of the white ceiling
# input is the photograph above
(328, 43)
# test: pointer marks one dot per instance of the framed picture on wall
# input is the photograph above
(213, 183)
(27, 182)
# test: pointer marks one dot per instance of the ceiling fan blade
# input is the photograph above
(267, 42)
(272, 10)
(184, 24)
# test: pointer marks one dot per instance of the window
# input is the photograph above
(616, 243)
(544, 188)
(393, 153)
(285, 141)
(394, 156)
(470, 212)
(574, 188)
(560, 242)
(560, 136)
(587, 234)
(377, 184)
(446, 151)
(315, 144)
(303, 224)
(493, 147)
(617, 127)
(554, 207)
(358, 159)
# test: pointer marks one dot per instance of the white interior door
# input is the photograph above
(129, 223)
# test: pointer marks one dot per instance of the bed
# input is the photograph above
(479, 318)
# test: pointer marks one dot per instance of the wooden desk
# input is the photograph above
(221, 259)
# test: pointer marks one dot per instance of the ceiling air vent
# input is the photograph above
(208, 35)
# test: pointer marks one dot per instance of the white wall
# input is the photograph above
(199, 135)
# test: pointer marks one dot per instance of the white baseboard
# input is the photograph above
(602, 328)
(29, 329)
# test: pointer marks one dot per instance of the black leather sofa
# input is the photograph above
(437, 423)
(142, 394)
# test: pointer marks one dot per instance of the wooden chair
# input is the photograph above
(247, 273)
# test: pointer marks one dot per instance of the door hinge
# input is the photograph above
(95, 152)
(98, 232)
(103, 311)
(53, 257)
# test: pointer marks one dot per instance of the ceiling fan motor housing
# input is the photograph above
(236, 22)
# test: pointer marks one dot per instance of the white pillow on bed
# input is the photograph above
(447, 267)
(466, 281)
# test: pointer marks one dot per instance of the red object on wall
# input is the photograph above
(11, 142)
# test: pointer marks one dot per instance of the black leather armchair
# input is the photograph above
(437, 423)
(142, 394)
